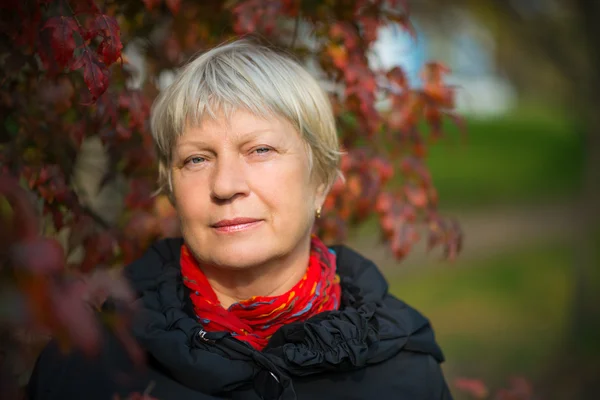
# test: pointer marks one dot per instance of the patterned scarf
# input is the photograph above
(256, 319)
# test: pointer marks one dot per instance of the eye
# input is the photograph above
(262, 150)
(195, 160)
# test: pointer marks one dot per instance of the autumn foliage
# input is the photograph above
(66, 81)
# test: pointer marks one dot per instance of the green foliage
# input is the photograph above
(495, 317)
(510, 159)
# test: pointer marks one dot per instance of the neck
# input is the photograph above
(273, 278)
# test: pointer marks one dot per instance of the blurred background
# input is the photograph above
(522, 298)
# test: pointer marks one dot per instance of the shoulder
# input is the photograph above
(363, 283)
(107, 375)
(356, 270)
(351, 262)
(406, 376)
(415, 375)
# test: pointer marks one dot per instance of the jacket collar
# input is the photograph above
(370, 327)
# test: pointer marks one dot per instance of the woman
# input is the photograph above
(249, 305)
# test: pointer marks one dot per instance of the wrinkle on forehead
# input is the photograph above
(222, 121)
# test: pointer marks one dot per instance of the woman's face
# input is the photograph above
(243, 190)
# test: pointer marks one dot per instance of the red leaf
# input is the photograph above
(433, 117)
(123, 132)
(150, 4)
(474, 387)
(434, 88)
(519, 389)
(99, 250)
(46, 54)
(369, 28)
(404, 237)
(110, 48)
(454, 241)
(416, 195)
(339, 55)
(407, 212)
(62, 41)
(85, 7)
(404, 23)
(76, 317)
(106, 24)
(95, 73)
(172, 49)
(415, 167)
(142, 227)
(445, 232)
(434, 72)
(107, 110)
(109, 51)
(384, 168)
(39, 256)
(260, 14)
(25, 27)
(77, 133)
(434, 239)
(397, 76)
(174, 6)
(137, 105)
(140, 194)
(383, 203)
(50, 184)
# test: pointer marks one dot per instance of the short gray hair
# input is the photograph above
(255, 78)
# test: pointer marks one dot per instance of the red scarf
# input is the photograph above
(256, 319)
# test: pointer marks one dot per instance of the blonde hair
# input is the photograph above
(252, 77)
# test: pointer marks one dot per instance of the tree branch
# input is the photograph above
(97, 218)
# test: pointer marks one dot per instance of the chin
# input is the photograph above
(240, 254)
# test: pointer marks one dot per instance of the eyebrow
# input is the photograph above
(249, 135)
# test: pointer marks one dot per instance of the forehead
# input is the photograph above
(240, 125)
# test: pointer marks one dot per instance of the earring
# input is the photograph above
(318, 213)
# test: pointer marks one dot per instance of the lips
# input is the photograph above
(233, 222)
(236, 225)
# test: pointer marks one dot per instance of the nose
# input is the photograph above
(228, 178)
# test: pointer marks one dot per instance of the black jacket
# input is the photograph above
(374, 347)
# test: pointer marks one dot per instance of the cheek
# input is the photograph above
(287, 190)
(189, 197)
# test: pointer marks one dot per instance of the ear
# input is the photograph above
(320, 194)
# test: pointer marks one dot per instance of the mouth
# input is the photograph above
(236, 224)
